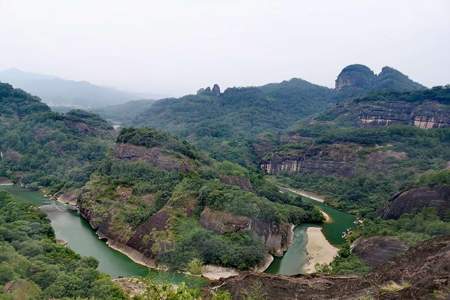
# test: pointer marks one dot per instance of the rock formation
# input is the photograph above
(376, 250)
(422, 272)
(338, 159)
(359, 79)
(414, 200)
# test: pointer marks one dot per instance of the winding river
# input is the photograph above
(70, 227)
(294, 260)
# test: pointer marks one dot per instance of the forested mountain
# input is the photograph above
(123, 113)
(61, 92)
(364, 151)
(41, 148)
(166, 199)
(148, 191)
(223, 123)
(34, 266)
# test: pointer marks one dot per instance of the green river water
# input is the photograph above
(294, 259)
(70, 227)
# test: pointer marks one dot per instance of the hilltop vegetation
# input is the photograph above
(41, 148)
(34, 266)
(155, 194)
(362, 165)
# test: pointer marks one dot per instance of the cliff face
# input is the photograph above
(414, 200)
(355, 76)
(337, 159)
(376, 250)
(360, 80)
(425, 269)
(276, 237)
(426, 115)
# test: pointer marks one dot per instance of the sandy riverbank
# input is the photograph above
(326, 217)
(133, 254)
(319, 250)
(306, 194)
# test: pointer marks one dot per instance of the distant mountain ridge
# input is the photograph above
(56, 91)
(221, 122)
(359, 80)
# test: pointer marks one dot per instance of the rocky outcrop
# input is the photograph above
(360, 79)
(215, 91)
(422, 272)
(377, 250)
(425, 115)
(156, 156)
(276, 237)
(414, 200)
(337, 159)
(355, 76)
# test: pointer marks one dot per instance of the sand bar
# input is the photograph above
(319, 250)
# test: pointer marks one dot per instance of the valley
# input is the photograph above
(222, 182)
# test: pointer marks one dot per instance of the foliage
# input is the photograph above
(223, 123)
(32, 260)
(164, 291)
(150, 138)
(409, 227)
(45, 149)
(238, 250)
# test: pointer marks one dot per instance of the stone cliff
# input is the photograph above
(359, 79)
(423, 115)
(276, 237)
(414, 200)
(422, 272)
(338, 159)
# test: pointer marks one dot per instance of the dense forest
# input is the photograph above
(41, 148)
(160, 205)
(34, 266)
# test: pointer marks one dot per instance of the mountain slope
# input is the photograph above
(60, 92)
(358, 80)
(123, 113)
(162, 197)
(225, 123)
(363, 151)
(41, 148)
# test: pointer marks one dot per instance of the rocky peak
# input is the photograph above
(361, 78)
(356, 75)
(215, 91)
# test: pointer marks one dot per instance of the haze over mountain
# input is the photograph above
(56, 91)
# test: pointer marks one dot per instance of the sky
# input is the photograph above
(174, 47)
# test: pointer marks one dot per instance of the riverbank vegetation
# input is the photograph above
(33, 264)
(386, 160)
(158, 203)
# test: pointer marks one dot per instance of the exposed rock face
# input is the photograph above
(355, 76)
(337, 159)
(145, 237)
(376, 251)
(155, 156)
(216, 90)
(360, 79)
(426, 115)
(276, 237)
(426, 269)
(414, 200)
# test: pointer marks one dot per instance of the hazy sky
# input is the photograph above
(174, 47)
